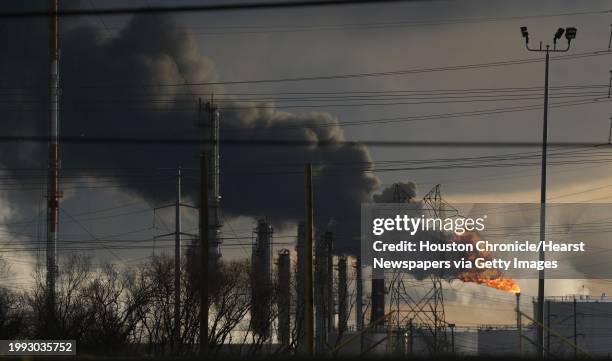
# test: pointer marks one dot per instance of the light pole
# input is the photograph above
(570, 34)
(452, 327)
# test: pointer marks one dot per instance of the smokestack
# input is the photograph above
(329, 281)
(261, 279)
(299, 281)
(359, 295)
(378, 299)
(212, 148)
(342, 295)
(284, 298)
(398, 193)
(519, 324)
(322, 289)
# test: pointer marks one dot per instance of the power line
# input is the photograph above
(147, 173)
(173, 98)
(372, 74)
(296, 142)
(566, 57)
(198, 8)
(264, 29)
(312, 94)
(348, 101)
(267, 29)
(87, 231)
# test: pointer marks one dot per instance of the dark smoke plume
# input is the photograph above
(109, 90)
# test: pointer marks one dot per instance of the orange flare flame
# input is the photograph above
(501, 283)
(490, 278)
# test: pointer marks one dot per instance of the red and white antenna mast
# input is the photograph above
(53, 192)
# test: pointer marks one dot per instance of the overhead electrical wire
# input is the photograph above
(224, 95)
(137, 104)
(219, 7)
(449, 95)
(566, 57)
(365, 122)
(575, 154)
(296, 28)
(268, 29)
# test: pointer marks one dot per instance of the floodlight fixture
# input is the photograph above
(525, 33)
(570, 33)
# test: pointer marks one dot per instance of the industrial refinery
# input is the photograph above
(211, 179)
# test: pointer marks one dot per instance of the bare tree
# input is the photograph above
(230, 300)
(113, 299)
(111, 309)
(157, 318)
(12, 316)
(71, 316)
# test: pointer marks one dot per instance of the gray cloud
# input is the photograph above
(256, 181)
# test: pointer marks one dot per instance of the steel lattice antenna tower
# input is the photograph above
(53, 191)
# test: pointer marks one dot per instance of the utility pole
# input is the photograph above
(204, 249)
(177, 234)
(308, 312)
(53, 192)
(570, 34)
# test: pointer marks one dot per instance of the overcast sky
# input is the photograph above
(273, 44)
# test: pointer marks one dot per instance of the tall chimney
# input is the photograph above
(359, 295)
(329, 281)
(299, 288)
(519, 323)
(261, 279)
(342, 295)
(214, 202)
(378, 299)
(321, 295)
(284, 298)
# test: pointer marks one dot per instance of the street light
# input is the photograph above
(570, 34)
